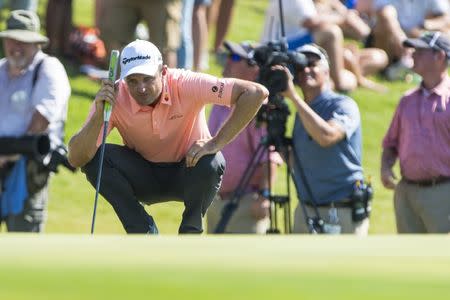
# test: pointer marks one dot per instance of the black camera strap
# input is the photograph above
(315, 224)
(36, 73)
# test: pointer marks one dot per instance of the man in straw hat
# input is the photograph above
(35, 91)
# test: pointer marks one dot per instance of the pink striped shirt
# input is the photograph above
(420, 132)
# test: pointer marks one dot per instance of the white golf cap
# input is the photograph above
(140, 57)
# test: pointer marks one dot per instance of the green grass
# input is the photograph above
(275, 267)
(72, 198)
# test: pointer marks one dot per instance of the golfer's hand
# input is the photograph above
(105, 94)
(388, 179)
(199, 149)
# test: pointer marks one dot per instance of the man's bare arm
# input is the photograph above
(388, 159)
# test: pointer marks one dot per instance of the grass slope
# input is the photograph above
(230, 267)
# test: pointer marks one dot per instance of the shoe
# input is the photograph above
(399, 69)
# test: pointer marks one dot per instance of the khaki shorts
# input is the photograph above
(241, 221)
(119, 18)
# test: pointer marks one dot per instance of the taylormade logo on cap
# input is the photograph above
(127, 60)
(140, 57)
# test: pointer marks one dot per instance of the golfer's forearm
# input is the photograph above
(83, 145)
(245, 108)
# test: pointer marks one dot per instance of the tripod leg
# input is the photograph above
(233, 204)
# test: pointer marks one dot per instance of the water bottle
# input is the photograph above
(332, 226)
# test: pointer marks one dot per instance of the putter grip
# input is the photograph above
(114, 58)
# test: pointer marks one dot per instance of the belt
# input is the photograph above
(342, 204)
(428, 182)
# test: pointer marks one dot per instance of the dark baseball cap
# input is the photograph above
(430, 40)
(24, 26)
(243, 49)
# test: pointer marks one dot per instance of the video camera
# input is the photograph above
(276, 112)
(276, 53)
(35, 147)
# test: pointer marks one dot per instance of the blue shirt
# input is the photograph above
(330, 172)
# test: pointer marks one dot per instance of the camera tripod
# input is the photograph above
(276, 201)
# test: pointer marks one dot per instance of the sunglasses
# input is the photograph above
(237, 58)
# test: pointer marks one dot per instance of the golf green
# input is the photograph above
(224, 267)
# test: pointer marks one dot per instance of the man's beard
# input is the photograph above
(17, 63)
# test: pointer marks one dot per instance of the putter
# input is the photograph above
(106, 115)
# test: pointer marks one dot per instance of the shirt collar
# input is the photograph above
(441, 89)
(321, 97)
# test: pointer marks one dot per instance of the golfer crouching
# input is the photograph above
(168, 152)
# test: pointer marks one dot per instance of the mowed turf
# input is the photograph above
(227, 267)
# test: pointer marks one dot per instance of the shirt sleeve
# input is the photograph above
(392, 135)
(206, 89)
(52, 91)
(347, 115)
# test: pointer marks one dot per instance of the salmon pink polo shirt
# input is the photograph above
(165, 132)
(420, 132)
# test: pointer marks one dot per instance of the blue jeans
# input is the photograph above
(185, 53)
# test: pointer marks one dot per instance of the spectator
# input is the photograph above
(220, 15)
(119, 18)
(303, 25)
(168, 153)
(361, 62)
(252, 213)
(35, 91)
(346, 18)
(399, 19)
(327, 146)
(419, 137)
(58, 24)
(200, 35)
(21, 4)
(185, 53)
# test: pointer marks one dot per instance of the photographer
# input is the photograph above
(169, 153)
(252, 213)
(35, 91)
(326, 145)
